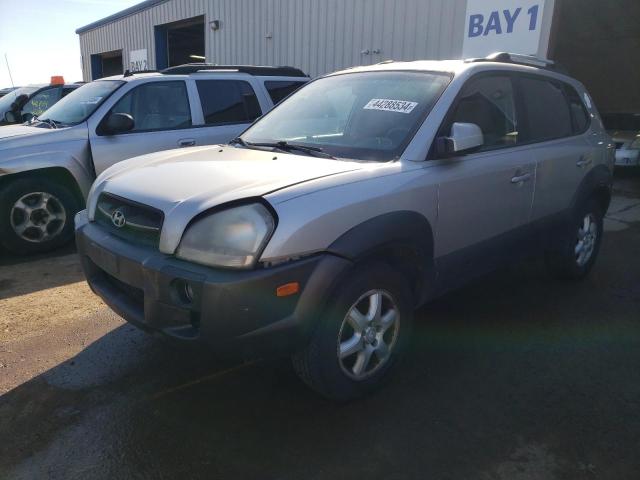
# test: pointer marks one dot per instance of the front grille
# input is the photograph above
(131, 221)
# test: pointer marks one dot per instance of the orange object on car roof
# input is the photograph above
(57, 80)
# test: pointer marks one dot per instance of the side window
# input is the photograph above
(227, 102)
(156, 106)
(279, 90)
(488, 102)
(547, 110)
(579, 115)
(66, 91)
(42, 101)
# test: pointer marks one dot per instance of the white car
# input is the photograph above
(625, 131)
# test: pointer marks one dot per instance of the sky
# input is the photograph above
(39, 37)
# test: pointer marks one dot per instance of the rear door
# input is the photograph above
(556, 125)
(485, 196)
(229, 106)
(163, 120)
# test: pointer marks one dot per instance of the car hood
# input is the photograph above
(184, 183)
(11, 131)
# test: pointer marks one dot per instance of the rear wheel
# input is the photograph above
(577, 252)
(36, 215)
(362, 335)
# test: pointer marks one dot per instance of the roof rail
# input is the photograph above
(265, 71)
(520, 59)
(129, 73)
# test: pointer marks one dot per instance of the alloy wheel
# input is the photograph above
(368, 334)
(586, 241)
(38, 217)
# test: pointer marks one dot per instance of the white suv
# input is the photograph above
(362, 196)
(48, 165)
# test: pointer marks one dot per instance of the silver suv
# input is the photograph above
(48, 165)
(365, 194)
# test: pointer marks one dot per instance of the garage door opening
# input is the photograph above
(180, 42)
(599, 46)
(106, 64)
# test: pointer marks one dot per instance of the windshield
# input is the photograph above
(364, 116)
(81, 103)
(9, 98)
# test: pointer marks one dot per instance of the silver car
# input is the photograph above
(365, 194)
(22, 104)
(48, 165)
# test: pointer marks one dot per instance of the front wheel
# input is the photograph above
(36, 215)
(361, 336)
(577, 252)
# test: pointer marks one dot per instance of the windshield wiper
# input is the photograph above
(238, 141)
(48, 121)
(286, 146)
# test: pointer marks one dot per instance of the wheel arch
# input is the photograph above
(57, 174)
(596, 184)
(402, 239)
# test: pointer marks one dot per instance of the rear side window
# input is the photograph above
(227, 102)
(279, 90)
(157, 106)
(488, 102)
(547, 110)
(579, 114)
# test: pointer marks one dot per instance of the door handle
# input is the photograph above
(584, 162)
(186, 142)
(525, 177)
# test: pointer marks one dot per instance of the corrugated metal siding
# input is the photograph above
(318, 36)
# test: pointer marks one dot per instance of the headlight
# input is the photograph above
(229, 238)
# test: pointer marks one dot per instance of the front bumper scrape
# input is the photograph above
(237, 313)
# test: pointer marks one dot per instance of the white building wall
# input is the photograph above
(318, 36)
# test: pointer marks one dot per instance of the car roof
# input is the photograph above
(497, 61)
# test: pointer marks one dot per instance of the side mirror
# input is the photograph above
(26, 117)
(464, 137)
(11, 117)
(118, 123)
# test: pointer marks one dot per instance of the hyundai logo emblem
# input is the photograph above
(118, 218)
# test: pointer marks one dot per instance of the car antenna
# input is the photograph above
(9, 70)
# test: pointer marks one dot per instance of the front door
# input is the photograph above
(485, 197)
(163, 121)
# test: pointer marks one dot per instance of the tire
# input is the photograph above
(342, 379)
(50, 223)
(572, 260)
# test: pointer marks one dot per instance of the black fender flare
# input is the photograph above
(598, 181)
(402, 238)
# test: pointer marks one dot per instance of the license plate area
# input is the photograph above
(104, 259)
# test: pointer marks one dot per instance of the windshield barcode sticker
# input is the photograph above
(400, 106)
(91, 100)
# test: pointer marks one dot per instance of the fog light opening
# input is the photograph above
(184, 291)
